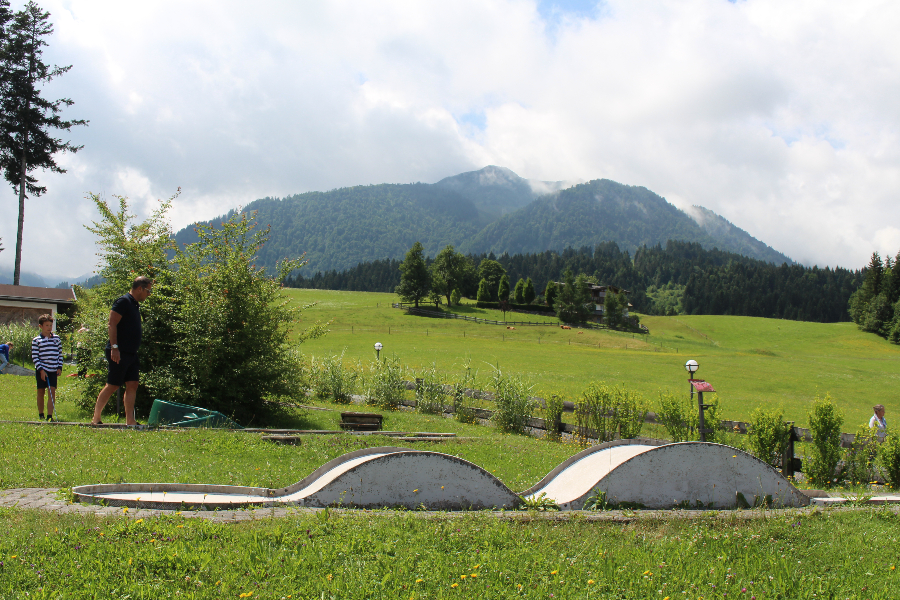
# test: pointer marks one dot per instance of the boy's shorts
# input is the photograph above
(127, 369)
(41, 383)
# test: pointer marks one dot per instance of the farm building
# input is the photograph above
(24, 304)
(598, 297)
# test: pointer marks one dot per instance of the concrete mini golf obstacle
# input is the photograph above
(664, 475)
(689, 474)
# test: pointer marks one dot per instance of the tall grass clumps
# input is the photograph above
(20, 335)
(385, 383)
(514, 405)
(769, 435)
(330, 378)
(463, 413)
(429, 393)
(553, 416)
(825, 422)
(606, 412)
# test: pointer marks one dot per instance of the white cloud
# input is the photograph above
(782, 117)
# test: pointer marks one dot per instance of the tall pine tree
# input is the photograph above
(415, 279)
(27, 119)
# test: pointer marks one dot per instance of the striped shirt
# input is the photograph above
(46, 353)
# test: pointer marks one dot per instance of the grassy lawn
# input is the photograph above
(403, 555)
(751, 361)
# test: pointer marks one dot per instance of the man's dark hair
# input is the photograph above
(141, 282)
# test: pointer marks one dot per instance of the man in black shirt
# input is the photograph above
(121, 351)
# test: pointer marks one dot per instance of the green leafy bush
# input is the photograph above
(677, 414)
(859, 458)
(889, 459)
(553, 415)
(463, 413)
(216, 330)
(608, 412)
(429, 392)
(513, 405)
(330, 378)
(825, 422)
(385, 384)
(768, 435)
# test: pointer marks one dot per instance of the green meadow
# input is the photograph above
(750, 361)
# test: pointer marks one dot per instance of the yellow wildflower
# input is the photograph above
(473, 575)
(138, 521)
(454, 585)
(462, 576)
(419, 580)
(329, 577)
(415, 490)
(591, 582)
(554, 572)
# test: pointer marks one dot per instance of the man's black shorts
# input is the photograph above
(41, 383)
(127, 369)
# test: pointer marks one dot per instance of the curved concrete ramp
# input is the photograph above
(687, 474)
(370, 478)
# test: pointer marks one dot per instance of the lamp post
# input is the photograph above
(700, 386)
(378, 348)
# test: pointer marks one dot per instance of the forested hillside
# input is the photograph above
(681, 277)
(347, 226)
(344, 227)
(603, 210)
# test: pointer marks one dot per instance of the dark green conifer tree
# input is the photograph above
(529, 294)
(503, 289)
(520, 292)
(415, 279)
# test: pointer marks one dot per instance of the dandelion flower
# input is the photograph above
(462, 576)
(454, 585)
(419, 580)
(138, 521)
(415, 490)
(646, 573)
(329, 577)
(591, 582)
(473, 575)
(554, 572)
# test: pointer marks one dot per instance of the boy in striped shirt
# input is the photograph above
(46, 354)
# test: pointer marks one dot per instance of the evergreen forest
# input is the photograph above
(678, 278)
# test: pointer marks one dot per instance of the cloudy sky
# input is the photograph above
(781, 116)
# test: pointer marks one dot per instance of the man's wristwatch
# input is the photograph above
(115, 346)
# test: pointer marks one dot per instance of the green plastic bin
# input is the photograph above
(174, 414)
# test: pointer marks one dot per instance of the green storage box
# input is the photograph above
(174, 414)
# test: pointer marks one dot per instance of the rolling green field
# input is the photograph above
(750, 361)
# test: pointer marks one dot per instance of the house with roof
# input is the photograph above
(25, 304)
(598, 297)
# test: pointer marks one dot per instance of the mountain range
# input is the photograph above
(490, 210)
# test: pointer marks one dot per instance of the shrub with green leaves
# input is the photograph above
(595, 415)
(631, 409)
(429, 392)
(553, 416)
(609, 411)
(385, 386)
(678, 415)
(825, 422)
(331, 378)
(462, 412)
(889, 459)
(859, 458)
(513, 404)
(768, 435)
(216, 330)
